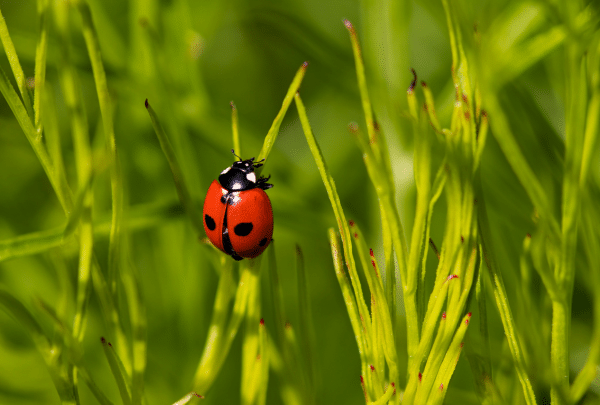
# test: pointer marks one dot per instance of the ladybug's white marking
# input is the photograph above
(224, 191)
(251, 177)
(226, 170)
(237, 186)
(236, 198)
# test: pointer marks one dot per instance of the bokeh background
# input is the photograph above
(190, 59)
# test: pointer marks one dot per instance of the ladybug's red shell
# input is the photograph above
(239, 223)
(213, 214)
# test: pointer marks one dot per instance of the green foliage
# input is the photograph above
(483, 241)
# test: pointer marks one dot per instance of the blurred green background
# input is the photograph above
(190, 59)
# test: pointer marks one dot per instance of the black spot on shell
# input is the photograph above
(243, 229)
(210, 223)
(263, 242)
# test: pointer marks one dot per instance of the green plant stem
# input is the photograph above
(143, 216)
(341, 222)
(187, 398)
(514, 343)
(67, 391)
(378, 178)
(287, 100)
(349, 299)
(178, 177)
(234, 130)
(307, 332)
(91, 40)
(219, 338)
(86, 251)
(250, 348)
(40, 64)
(517, 161)
(591, 243)
(15, 65)
(559, 353)
(58, 181)
(113, 362)
(137, 317)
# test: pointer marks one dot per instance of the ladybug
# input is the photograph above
(238, 218)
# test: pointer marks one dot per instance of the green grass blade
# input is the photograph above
(276, 295)
(514, 343)
(40, 64)
(234, 130)
(263, 366)
(187, 398)
(30, 244)
(432, 318)
(378, 301)
(91, 40)
(18, 311)
(208, 366)
(349, 298)
(59, 183)
(440, 387)
(15, 65)
(113, 362)
(591, 243)
(64, 386)
(98, 394)
(219, 337)
(307, 332)
(86, 252)
(340, 218)
(378, 176)
(51, 130)
(178, 178)
(362, 87)
(250, 344)
(521, 168)
(112, 316)
(137, 317)
(143, 216)
(287, 100)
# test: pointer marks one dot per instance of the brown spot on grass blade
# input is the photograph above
(434, 248)
(349, 27)
(413, 83)
(364, 388)
(188, 397)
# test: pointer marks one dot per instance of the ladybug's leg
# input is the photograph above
(226, 241)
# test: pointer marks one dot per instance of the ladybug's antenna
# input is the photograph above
(232, 151)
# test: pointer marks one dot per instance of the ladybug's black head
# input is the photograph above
(240, 176)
